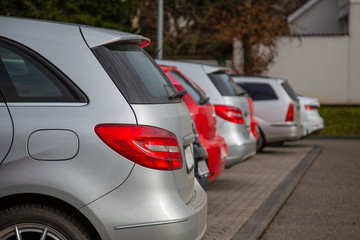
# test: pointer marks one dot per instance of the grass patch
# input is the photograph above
(341, 121)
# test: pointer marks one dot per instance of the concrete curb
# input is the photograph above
(259, 221)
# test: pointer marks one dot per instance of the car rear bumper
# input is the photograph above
(240, 152)
(215, 161)
(154, 211)
(312, 126)
(279, 132)
(239, 147)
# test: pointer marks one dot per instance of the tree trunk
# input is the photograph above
(248, 61)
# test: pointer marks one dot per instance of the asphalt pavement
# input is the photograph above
(326, 203)
(244, 202)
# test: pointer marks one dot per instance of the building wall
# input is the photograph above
(320, 17)
(326, 67)
(314, 66)
(354, 52)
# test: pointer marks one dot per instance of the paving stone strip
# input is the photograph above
(240, 190)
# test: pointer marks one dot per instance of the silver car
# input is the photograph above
(276, 108)
(95, 142)
(231, 107)
(310, 117)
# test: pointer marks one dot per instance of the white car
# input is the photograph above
(312, 122)
(276, 108)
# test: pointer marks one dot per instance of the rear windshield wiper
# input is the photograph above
(242, 94)
(204, 100)
(178, 94)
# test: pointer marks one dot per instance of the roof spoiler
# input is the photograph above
(96, 37)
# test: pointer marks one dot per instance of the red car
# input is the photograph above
(203, 114)
(253, 123)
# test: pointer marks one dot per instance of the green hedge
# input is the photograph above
(341, 121)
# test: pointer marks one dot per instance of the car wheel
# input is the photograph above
(35, 221)
(260, 144)
(277, 144)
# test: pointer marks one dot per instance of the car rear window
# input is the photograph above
(135, 73)
(290, 91)
(226, 85)
(190, 88)
(259, 91)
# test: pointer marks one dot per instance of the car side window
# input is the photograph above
(188, 86)
(259, 91)
(290, 91)
(26, 79)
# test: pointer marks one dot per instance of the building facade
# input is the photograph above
(322, 60)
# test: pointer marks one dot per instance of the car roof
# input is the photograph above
(207, 68)
(26, 28)
(167, 68)
(256, 78)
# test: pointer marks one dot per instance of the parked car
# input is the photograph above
(202, 173)
(276, 108)
(231, 107)
(310, 117)
(92, 146)
(253, 123)
(203, 113)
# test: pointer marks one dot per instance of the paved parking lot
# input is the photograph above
(244, 198)
(325, 204)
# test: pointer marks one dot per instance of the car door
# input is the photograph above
(6, 128)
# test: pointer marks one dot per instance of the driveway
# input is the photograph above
(244, 198)
(326, 203)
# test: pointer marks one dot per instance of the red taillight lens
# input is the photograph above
(290, 113)
(144, 43)
(229, 113)
(311, 107)
(147, 146)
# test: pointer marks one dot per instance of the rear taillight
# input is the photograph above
(144, 43)
(290, 113)
(229, 113)
(311, 107)
(147, 146)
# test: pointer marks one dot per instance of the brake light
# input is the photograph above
(290, 113)
(229, 113)
(144, 43)
(311, 107)
(147, 146)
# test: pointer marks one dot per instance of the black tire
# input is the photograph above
(260, 144)
(32, 221)
(277, 144)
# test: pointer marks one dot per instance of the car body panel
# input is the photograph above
(253, 123)
(179, 221)
(6, 130)
(310, 118)
(162, 116)
(82, 119)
